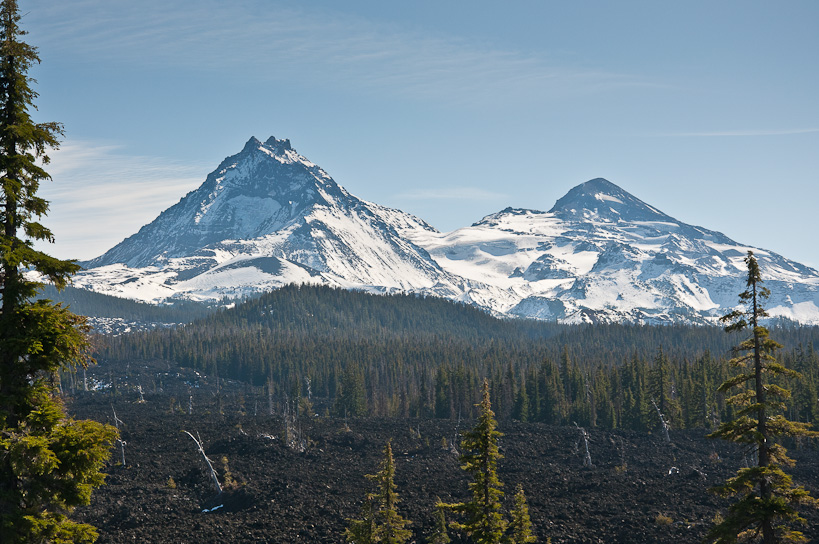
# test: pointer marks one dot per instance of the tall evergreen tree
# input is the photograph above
(352, 399)
(484, 522)
(49, 463)
(768, 499)
(440, 535)
(520, 526)
(382, 523)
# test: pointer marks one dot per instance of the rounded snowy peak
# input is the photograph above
(601, 200)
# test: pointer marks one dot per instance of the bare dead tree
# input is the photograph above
(270, 394)
(213, 475)
(587, 460)
(662, 421)
(120, 441)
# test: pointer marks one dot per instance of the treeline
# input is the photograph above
(89, 303)
(407, 356)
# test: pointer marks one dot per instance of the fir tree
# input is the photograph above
(484, 522)
(767, 497)
(361, 531)
(49, 463)
(382, 522)
(520, 526)
(352, 400)
(440, 535)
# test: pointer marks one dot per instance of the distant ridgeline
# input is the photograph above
(90, 303)
(409, 356)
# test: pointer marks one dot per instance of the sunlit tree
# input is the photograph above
(767, 498)
(49, 463)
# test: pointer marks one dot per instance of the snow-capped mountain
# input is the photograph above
(264, 218)
(601, 254)
(268, 216)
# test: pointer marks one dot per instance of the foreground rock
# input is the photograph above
(640, 488)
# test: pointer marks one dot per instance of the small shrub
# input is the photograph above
(662, 519)
(229, 481)
(171, 483)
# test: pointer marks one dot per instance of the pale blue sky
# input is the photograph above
(448, 110)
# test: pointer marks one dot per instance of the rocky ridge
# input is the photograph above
(267, 216)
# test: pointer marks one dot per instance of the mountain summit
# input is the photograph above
(267, 216)
(251, 194)
(601, 200)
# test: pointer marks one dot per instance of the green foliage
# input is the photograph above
(380, 521)
(766, 507)
(403, 355)
(484, 522)
(90, 303)
(49, 463)
(351, 398)
(440, 535)
(520, 526)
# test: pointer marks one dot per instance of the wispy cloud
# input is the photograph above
(744, 133)
(451, 193)
(273, 42)
(100, 195)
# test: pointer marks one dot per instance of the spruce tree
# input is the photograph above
(484, 522)
(440, 535)
(767, 502)
(520, 526)
(49, 463)
(382, 522)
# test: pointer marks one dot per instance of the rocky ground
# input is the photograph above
(639, 489)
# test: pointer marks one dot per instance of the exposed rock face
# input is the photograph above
(268, 216)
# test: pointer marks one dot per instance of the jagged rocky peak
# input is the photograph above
(279, 145)
(272, 147)
(601, 200)
(497, 218)
(250, 194)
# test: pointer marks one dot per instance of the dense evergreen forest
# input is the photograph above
(407, 356)
(89, 303)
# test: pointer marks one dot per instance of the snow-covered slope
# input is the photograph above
(264, 218)
(268, 216)
(601, 254)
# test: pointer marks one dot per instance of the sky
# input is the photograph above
(451, 111)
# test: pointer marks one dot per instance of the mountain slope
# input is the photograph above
(601, 254)
(264, 218)
(268, 217)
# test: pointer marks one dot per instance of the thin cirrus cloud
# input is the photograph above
(309, 47)
(744, 133)
(105, 195)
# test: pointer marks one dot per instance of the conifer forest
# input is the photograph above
(295, 396)
(284, 409)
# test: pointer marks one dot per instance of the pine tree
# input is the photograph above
(361, 531)
(49, 463)
(352, 399)
(520, 526)
(440, 535)
(484, 521)
(382, 522)
(767, 497)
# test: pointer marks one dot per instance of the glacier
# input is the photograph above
(267, 217)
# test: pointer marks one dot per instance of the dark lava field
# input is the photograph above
(639, 489)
